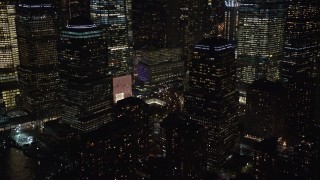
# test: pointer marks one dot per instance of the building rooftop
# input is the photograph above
(81, 22)
(43, 3)
(174, 121)
(130, 101)
(213, 44)
(159, 56)
(266, 85)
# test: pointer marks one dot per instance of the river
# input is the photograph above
(14, 165)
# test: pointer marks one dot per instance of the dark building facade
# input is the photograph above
(133, 113)
(301, 108)
(184, 144)
(266, 109)
(188, 21)
(265, 159)
(274, 161)
(148, 23)
(68, 9)
(301, 45)
(86, 87)
(198, 19)
(212, 100)
(299, 66)
(118, 150)
(298, 162)
(37, 34)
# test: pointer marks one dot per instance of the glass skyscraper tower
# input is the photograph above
(37, 34)
(212, 100)
(301, 45)
(83, 69)
(114, 16)
(231, 20)
(260, 41)
(9, 57)
(300, 65)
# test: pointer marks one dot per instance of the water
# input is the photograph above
(14, 165)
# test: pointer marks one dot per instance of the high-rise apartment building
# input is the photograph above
(86, 85)
(37, 34)
(260, 41)
(9, 57)
(212, 100)
(113, 16)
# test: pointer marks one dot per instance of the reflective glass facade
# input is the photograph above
(260, 40)
(114, 18)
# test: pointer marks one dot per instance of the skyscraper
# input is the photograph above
(301, 107)
(148, 19)
(113, 17)
(37, 32)
(185, 145)
(265, 159)
(260, 41)
(188, 21)
(86, 87)
(119, 149)
(212, 100)
(266, 109)
(9, 57)
(68, 9)
(133, 114)
(300, 64)
(198, 19)
(231, 20)
(302, 44)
